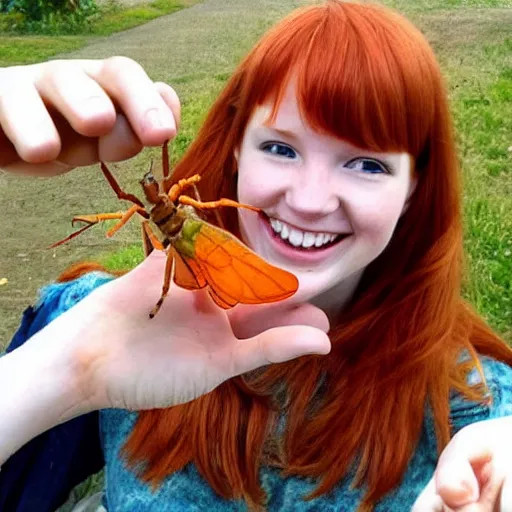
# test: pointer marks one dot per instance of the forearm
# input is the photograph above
(38, 389)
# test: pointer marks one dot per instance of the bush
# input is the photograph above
(53, 16)
(6, 5)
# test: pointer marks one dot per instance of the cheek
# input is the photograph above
(255, 186)
(378, 217)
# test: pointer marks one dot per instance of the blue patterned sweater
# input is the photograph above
(188, 491)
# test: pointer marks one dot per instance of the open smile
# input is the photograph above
(299, 244)
(303, 239)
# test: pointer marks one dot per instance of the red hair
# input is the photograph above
(366, 75)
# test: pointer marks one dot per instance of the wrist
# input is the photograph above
(42, 383)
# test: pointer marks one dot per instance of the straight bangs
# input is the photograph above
(362, 74)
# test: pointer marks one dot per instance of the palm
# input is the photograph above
(189, 347)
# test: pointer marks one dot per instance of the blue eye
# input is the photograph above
(368, 165)
(275, 148)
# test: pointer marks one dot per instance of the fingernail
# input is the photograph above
(156, 119)
(152, 119)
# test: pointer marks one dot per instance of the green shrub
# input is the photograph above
(54, 16)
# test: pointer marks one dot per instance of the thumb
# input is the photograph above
(461, 475)
(278, 345)
(249, 320)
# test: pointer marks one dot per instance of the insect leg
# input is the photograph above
(125, 218)
(215, 204)
(216, 212)
(121, 194)
(170, 267)
(149, 239)
(90, 220)
(179, 187)
(165, 160)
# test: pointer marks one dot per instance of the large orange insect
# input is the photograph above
(199, 254)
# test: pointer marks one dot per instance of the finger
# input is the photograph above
(506, 493)
(130, 87)
(172, 100)
(278, 345)
(120, 144)
(428, 500)
(460, 472)
(248, 321)
(82, 102)
(491, 481)
(27, 124)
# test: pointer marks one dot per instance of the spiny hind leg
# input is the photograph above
(150, 240)
(121, 194)
(170, 267)
(209, 205)
(90, 221)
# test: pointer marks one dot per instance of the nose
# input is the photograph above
(311, 192)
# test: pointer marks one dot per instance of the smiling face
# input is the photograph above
(329, 208)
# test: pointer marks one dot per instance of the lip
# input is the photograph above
(293, 255)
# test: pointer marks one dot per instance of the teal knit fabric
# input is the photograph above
(187, 491)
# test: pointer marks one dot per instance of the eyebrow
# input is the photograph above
(283, 133)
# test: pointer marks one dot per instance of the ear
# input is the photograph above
(236, 153)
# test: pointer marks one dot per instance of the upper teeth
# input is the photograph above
(299, 238)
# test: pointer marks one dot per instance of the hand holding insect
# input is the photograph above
(121, 358)
(62, 114)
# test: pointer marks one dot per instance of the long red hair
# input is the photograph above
(366, 75)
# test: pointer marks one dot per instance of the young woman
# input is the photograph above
(337, 126)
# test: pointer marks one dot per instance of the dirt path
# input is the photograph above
(203, 40)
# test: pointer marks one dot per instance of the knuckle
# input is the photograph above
(54, 71)
(13, 80)
(120, 65)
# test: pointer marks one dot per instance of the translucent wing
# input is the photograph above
(187, 274)
(234, 273)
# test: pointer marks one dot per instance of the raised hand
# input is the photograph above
(474, 472)
(62, 114)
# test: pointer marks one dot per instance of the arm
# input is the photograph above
(39, 390)
(106, 352)
(41, 474)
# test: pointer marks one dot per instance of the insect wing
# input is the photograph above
(187, 273)
(237, 274)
